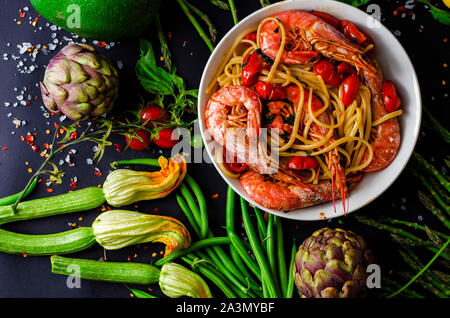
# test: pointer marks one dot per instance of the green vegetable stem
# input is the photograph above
(13, 198)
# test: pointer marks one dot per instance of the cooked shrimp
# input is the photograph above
(282, 196)
(233, 107)
(313, 32)
(385, 137)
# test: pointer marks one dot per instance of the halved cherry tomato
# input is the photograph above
(352, 32)
(302, 163)
(251, 36)
(328, 18)
(234, 165)
(392, 101)
(350, 88)
(237, 167)
(137, 144)
(253, 65)
(328, 72)
(165, 139)
(266, 90)
(153, 112)
(344, 69)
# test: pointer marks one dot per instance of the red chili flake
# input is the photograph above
(30, 139)
(49, 190)
(28, 102)
(98, 173)
(74, 135)
(169, 35)
(22, 138)
(5, 148)
(214, 196)
(24, 254)
(73, 184)
(22, 15)
(35, 148)
(129, 258)
(155, 210)
(118, 147)
(102, 44)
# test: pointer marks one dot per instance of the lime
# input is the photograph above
(110, 20)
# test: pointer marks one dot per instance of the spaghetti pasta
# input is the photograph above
(314, 121)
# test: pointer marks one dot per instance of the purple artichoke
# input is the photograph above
(332, 263)
(79, 83)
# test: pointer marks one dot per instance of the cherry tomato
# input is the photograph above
(350, 88)
(392, 101)
(153, 112)
(328, 72)
(328, 18)
(165, 140)
(137, 144)
(266, 90)
(234, 165)
(250, 72)
(302, 163)
(251, 36)
(352, 32)
(345, 69)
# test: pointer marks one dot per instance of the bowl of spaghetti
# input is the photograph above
(309, 109)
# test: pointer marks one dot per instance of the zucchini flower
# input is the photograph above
(176, 281)
(124, 186)
(119, 228)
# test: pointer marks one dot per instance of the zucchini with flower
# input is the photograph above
(119, 228)
(174, 280)
(125, 186)
(121, 187)
(112, 230)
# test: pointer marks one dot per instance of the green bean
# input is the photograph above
(258, 251)
(210, 264)
(191, 203)
(201, 203)
(194, 247)
(240, 248)
(139, 161)
(229, 222)
(282, 268)
(13, 198)
(245, 290)
(184, 207)
(261, 223)
(289, 291)
(270, 246)
(211, 275)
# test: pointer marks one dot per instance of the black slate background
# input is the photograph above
(31, 276)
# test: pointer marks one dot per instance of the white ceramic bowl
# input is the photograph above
(396, 66)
